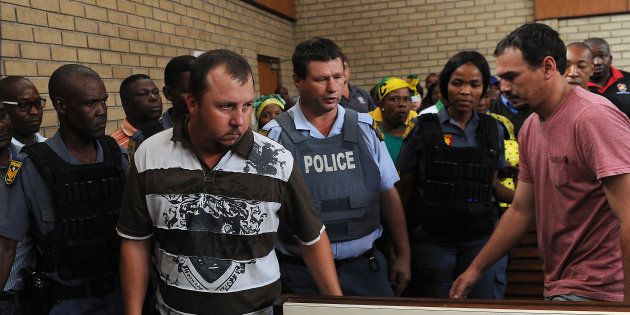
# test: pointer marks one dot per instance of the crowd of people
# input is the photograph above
(404, 190)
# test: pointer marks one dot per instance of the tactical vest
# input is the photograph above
(87, 197)
(342, 177)
(453, 197)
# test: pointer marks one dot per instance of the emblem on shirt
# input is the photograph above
(263, 132)
(13, 170)
(622, 88)
(448, 139)
(360, 99)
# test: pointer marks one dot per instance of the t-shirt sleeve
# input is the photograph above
(602, 136)
(524, 173)
(298, 211)
(134, 221)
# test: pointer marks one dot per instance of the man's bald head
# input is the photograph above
(579, 64)
(602, 60)
(66, 79)
(27, 109)
(9, 86)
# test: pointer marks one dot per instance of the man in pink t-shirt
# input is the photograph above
(574, 176)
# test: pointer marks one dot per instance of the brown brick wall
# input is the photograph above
(381, 37)
(117, 38)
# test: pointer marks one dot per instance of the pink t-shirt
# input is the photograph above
(564, 158)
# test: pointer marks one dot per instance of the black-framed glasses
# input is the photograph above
(25, 106)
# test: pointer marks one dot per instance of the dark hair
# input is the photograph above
(61, 81)
(126, 84)
(314, 49)
(175, 67)
(459, 59)
(234, 64)
(428, 100)
(596, 40)
(535, 41)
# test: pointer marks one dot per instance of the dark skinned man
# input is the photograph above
(25, 107)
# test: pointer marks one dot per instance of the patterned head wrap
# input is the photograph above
(389, 84)
(262, 101)
(413, 84)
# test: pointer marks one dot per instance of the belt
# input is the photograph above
(286, 259)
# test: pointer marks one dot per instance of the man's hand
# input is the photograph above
(464, 283)
(399, 272)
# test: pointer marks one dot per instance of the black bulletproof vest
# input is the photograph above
(87, 197)
(453, 196)
(342, 177)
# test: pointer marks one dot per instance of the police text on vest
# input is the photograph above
(329, 162)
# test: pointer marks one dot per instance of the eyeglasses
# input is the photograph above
(25, 106)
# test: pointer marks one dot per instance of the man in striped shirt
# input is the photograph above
(209, 194)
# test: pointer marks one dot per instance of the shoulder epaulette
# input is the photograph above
(12, 171)
(407, 131)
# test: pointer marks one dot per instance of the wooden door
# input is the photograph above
(268, 74)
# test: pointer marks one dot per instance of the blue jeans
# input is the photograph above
(436, 264)
(355, 277)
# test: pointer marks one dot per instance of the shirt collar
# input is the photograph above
(615, 74)
(127, 128)
(301, 123)
(243, 147)
(443, 116)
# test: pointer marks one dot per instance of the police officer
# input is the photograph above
(73, 185)
(448, 165)
(25, 107)
(12, 209)
(350, 177)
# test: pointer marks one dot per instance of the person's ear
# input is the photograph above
(297, 80)
(191, 104)
(60, 106)
(549, 66)
(167, 93)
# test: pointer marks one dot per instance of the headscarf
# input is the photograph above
(389, 84)
(414, 81)
(262, 101)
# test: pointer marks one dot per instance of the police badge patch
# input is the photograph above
(12, 172)
(448, 139)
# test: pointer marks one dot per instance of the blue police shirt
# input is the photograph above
(389, 176)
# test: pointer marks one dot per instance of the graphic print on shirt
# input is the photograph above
(264, 159)
(204, 212)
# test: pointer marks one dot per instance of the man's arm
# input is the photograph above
(7, 256)
(134, 273)
(393, 216)
(616, 189)
(319, 260)
(509, 232)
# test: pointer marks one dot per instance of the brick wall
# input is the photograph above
(118, 38)
(381, 37)
(417, 36)
(384, 38)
